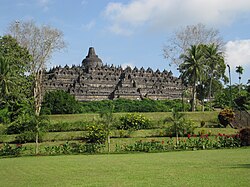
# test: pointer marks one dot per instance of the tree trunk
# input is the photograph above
(193, 97)
(38, 100)
(109, 143)
(177, 141)
(209, 94)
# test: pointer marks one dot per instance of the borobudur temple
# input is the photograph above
(92, 80)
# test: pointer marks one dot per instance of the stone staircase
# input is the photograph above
(242, 119)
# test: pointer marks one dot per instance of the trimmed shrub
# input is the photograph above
(134, 121)
(97, 134)
(226, 116)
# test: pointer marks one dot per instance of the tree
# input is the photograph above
(239, 70)
(59, 102)
(14, 61)
(5, 78)
(180, 126)
(183, 38)
(192, 69)
(15, 86)
(215, 64)
(107, 118)
(41, 43)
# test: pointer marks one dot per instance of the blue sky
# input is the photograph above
(133, 32)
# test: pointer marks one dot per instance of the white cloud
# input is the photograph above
(89, 25)
(165, 14)
(238, 53)
(115, 28)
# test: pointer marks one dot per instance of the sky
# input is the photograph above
(134, 32)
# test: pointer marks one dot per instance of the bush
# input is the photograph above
(73, 148)
(134, 121)
(28, 136)
(60, 102)
(28, 123)
(184, 127)
(126, 105)
(66, 126)
(7, 150)
(97, 134)
(18, 128)
(245, 137)
(226, 116)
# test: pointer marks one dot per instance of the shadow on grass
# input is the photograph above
(242, 166)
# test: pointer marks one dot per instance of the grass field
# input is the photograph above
(153, 116)
(227, 167)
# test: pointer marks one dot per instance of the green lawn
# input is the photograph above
(153, 116)
(227, 167)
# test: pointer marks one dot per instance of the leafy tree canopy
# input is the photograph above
(59, 102)
(15, 87)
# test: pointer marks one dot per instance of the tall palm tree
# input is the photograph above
(239, 70)
(215, 64)
(192, 68)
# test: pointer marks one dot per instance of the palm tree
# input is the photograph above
(239, 70)
(215, 64)
(177, 119)
(192, 69)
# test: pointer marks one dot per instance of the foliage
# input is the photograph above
(226, 116)
(28, 122)
(150, 146)
(59, 102)
(190, 143)
(192, 69)
(134, 121)
(72, 148)
(15, 92)
(27, 137)
(41, 42)
(240, 99)
(239, 70)
(126, 105)
(68, 126)
(4, 115)
(245, 136)
(179, 125)
(107, 118)
(183, 38)
(97, 134)
(215, 67)
(8, 150)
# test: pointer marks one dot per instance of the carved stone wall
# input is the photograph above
(95, 81)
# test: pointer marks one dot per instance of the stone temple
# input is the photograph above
(93, 80)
